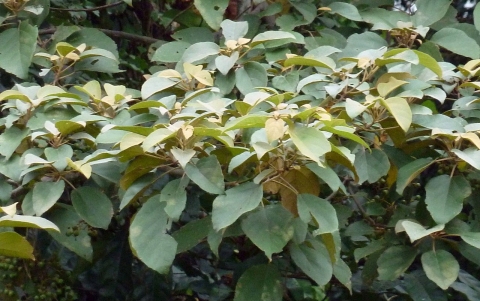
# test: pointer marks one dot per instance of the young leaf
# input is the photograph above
(441, 267)
(394, 261)
(260, 282)
(148, 239)
(238, 200)
(444, 197)
(93, 206)
(13, 244)
(400, 110)
(269, 228)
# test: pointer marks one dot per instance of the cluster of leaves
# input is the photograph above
(315, 161)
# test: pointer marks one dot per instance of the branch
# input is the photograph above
(89, 9)
(111, 33)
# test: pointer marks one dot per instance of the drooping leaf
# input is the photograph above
(269, 228)
(400, 110)
(175, 196)
(456, 41)
(148, 239)
(45, 195)
(236, 201)
(445, 195)
(410, 171)
(441, 267)
(207, 174)
(260, 282)
(394, 261)
(472, 238)
(371, 165)
(93, 206)
(25, 221)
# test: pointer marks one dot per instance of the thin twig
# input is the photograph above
(111, 33)
(89, 9)
(359, 206)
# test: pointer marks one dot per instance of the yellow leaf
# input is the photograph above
(275, 129)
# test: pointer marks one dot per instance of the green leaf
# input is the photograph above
(272, 36)
(416, 231)
(232, 30)
(10, 139)
(156, 137)
(175, 195)
(192, 234)
(410, 171)
(429, 12)
(325, 62)
(457, 41)
(469, 155)
(313, 261)
(212, 11)
(342, 272)
(148, 239)
(371, 165)
(400, 110)
(237, 200)
(269, 228)
(24, 221)
(394, 261)
(476, 17)
(441, 267)
(18, 49)
(328, 175)
(250, 76)
(420, 288)
(170, 52)
(200, 51)
(58, 156)
(13, 244)
(346, 10)
(444, 197)
(156, 84)
(321, 210)
(311, 142)
(259, 282)
(136, 189)
(247, 121)
(45, 195)
(207, 174)
(370, 248)
(472, 238)
(93, 206)
(225, 63)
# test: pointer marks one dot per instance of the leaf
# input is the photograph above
(441, 267)
(342, 272)
(59, 156)
(24, 221)
(13, 244)
(321, 210)
(328, 175)
(275, 129)
(93, 206)
(46, 194)
(270, 36)
(237, 200)
(429, 12)
(469, 155)
(325, 62)
(156, 84)
(370, 248)
(444, 197)
(259, 282)
(416, 231)
(310, 142)
(232, 30)
(250, 76)
(136, 189)
(148, 239)
(476, 17)
(192, 234)
(225, 63)
(269, 228)
(171, 52)
(212, 11)
(313, 261)
(420, 288)
(400, 110)
(456, 41)
(18, 49)
(247, 121)
(394, 261)
(200, 51)
(175, 195)
(410, 171)
(183, 156)
(371, 166)
(472, 238)
(10, 139)
(346, 10)
(207, 174)
(156, 137)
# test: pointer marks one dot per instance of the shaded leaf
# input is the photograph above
(441, 267)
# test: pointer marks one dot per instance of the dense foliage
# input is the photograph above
(239, 150)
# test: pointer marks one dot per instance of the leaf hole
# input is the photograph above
(216, 7)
